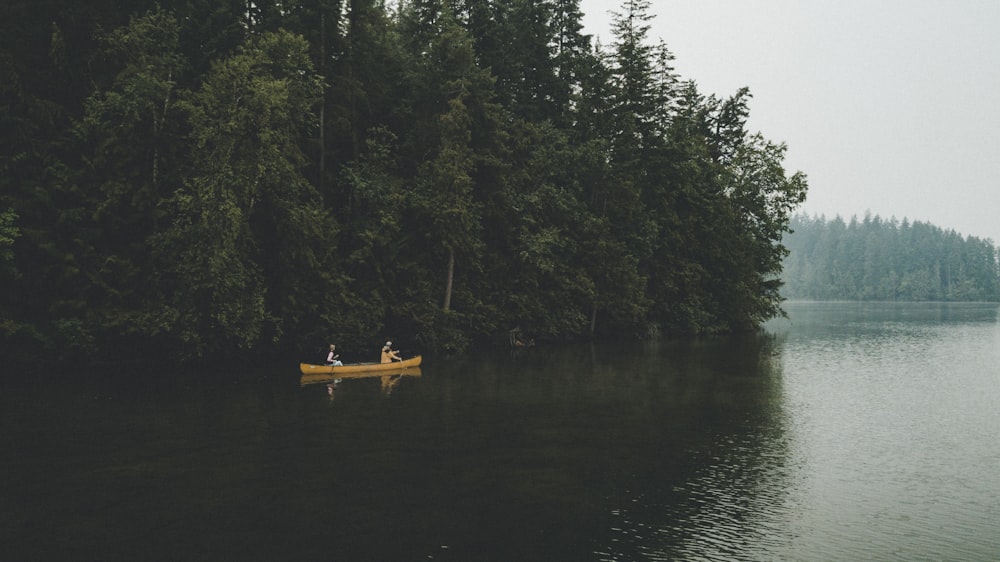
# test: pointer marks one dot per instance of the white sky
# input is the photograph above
(888, 106)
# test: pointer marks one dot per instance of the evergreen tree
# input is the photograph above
(876, 259)
(132, 126)
(207, 178)
(246, 181)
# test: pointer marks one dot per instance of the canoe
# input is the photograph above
(322, 378)
(308, 369)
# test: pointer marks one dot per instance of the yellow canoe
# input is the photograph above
(319, 378)
(308, 369)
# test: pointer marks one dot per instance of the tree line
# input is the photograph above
(198, 179)
(887, 260)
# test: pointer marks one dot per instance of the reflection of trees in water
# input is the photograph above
(717, 485)
(632, 450)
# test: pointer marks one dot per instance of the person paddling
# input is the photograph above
(388, 355)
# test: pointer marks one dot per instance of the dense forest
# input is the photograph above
(209, 179)
(885, 260)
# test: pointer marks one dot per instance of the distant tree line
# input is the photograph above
(887, 260)
(207, 178)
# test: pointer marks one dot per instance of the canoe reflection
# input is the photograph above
(389, 380)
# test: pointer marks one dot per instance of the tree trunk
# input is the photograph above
(158, 123)
(451, 276)
(322, 107)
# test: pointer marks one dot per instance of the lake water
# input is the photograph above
(847, 432)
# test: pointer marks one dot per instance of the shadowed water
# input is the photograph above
(847, 432)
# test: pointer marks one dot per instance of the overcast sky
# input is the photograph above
(888, 106)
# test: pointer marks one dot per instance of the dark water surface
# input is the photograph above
(850, 432)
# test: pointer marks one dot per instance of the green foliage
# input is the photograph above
(875, 259)
(8, 233)
(246, 220)
(226, 178)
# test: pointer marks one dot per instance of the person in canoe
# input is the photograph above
(388, 354)
(333, 358)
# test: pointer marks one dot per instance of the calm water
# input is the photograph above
(849, 432)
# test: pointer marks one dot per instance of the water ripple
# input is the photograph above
(883, 448)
